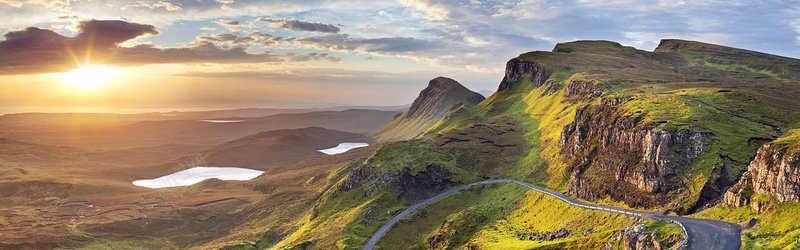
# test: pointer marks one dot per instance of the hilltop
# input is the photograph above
(432, 104)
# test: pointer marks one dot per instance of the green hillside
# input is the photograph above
(433, 102)
(670, 129)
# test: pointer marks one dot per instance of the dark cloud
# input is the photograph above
(227, 38)
(230, 22)
(313, 57)
(260, 38)
(110, 33)
(34, 50)
(301, 26)
(265, 39)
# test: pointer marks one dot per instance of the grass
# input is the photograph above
(668, 234)
(542, 213)
(461, 214)
(789, 140)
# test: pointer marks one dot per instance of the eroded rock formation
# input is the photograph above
(773, 174)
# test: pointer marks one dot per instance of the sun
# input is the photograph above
(89, 77)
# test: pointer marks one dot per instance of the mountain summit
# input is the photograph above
(432, 104)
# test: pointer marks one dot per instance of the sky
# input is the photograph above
(299, 53)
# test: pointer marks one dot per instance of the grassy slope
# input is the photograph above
(431, 105)
(676, 90)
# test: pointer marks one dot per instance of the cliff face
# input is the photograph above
(623, 156)
(774, 173)
(671, 128)
(432, 104)
(515, 69)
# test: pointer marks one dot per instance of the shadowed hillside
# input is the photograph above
(270, 149)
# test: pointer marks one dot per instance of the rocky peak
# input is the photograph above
(440, 95)
(443, 83)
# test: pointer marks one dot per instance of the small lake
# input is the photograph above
(222, 121)
(198, 174)
(343, 147)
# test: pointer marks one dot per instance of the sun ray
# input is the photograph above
(89, 77)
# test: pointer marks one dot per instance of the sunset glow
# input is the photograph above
(89, 77)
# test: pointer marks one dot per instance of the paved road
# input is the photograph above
(702, 234)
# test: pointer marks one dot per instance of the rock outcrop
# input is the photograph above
(773, 174)
(626, 158)
(515, 69)
(634, 238)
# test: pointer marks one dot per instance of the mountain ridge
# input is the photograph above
(440, 96)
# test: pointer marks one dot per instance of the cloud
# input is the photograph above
(227, 38)
(34, 50)
(166, 5)
(57, 5)
(196, 52)
(259, 38)
(70, 18)
(109, 33)
(233, 25)
(13, 3)
(313, 57)
(390, 45)
(300, 26)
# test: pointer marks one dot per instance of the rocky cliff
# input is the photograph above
(516, 69)
(773, 174)
(624, 156)
(432, 104)
(671, 128)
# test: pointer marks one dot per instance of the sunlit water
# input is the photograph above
(198, 174)
(343, 147)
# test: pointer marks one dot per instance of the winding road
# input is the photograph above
(701, 233)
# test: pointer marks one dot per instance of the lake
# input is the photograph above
(197, 174)
(343, 147)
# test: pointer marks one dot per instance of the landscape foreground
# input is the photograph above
(692, 129)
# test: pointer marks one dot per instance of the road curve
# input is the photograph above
(701, 233)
